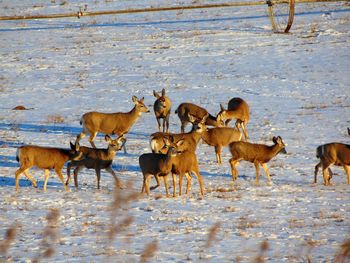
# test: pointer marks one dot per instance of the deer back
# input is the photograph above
(337, 153)
(222, 136)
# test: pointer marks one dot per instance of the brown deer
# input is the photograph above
(189, 109)
(332, 154)
(117, 123)
(162, 107)
(45, 158)
(157, 164)
(97, 159)
(259, 154)
(220, 137)
(190, 139)
(237, 109)
(185, 163)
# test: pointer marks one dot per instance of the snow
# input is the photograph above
(297, 86)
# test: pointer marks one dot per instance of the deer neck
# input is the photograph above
(211, 120)
(274, 150)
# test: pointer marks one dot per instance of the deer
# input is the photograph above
(45, 158)
(259, 154)
(187, 109)
(237, 109)
(191, 139)
(97, 159)
(118, 123)
(220, 137)
(162, 107)
(158, 164)
(185, 163)
(337, 154)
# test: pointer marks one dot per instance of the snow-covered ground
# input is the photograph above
(297, 86)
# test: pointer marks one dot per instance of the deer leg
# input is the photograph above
(200, 181)
(183, 126)
(146, 183)
(32, 180)
(69, 166)
(218, 154)
(167, 122)
(174, 184)
(158, 122)
(92, 138)
(165, 179)
(245, 132)
(234, 172)
(118, 182)
(17, 176)
(227, 122)
(316, 171)
(98, 177)
(180, 184)
(347, 171)
(79, 137)
(266, 170)
(47, 174)
(257, 172)
(76, 171)
(189, 179)
(158, 183)
(326, 176)
(60, 175)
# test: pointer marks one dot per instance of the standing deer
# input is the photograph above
(237, 109)
(259, 154)
(189, 109)
(162, 107)
(117, 123)
(332, 154)
(45, 158)
(185, 163)
(220, 137)
(97, 159)
(157, 164)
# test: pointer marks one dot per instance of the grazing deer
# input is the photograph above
(220, 137)
(157, 164)
(259, 154)
(189, 109)
(237, 109)
(45, 158)
(185, 163)
(162, 107)
(332, 154)
(190, 139)
(117, 123)
(97, 159)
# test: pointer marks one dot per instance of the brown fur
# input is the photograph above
(117, 123)
(45, 158)
(332, 154)
(162, 108)
(97, 159)
(220, 137)
(186, 109)
(259, 154)
(237, 109)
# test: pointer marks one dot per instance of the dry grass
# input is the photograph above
(9, 237)
(55, 118)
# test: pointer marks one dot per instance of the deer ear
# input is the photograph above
(163, 92)
(274, 139)
(72, 146)
(107, 138)
(222, 107)
(141, 100)
(191, 118)
(134, 99)
(155, 94)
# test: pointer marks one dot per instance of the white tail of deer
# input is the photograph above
(332, 154)
(259, 154)
(97, 159)
(237, 109)
(45, 158)
(220, 137)
(162, 107)
(117, 123)
(189, 109)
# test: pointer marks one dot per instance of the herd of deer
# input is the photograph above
(173, 153)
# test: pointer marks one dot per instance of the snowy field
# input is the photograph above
(297, 86)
